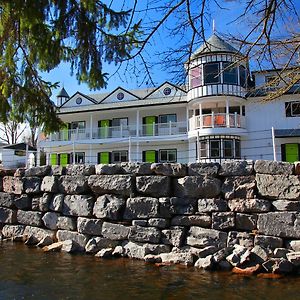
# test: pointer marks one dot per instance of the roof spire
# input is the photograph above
(214, 26)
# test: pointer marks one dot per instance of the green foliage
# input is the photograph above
(38, 35)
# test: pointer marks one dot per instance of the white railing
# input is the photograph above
(163, 129)
(218, 120)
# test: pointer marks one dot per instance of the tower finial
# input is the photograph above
(214, 26)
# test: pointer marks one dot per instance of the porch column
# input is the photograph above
(137, 123)
(91, 126)
(187, 119)
(129, 149)
(194, 119)
(227, 113)
(90, 154)
(200, 118)
(137, 151)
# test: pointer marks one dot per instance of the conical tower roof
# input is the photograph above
(214, 44)
(63, 93)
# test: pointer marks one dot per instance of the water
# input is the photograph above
(28, 273)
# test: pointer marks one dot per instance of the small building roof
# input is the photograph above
(63, 93)
(18, 146)
(214, 44)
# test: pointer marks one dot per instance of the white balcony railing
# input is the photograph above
(164, 129)
(219, 120)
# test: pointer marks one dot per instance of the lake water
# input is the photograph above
(28, 273)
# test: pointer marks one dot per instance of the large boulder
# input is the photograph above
(197, 187)
(286, 205)
(111, 184)
(49, 184)
(211, 205)
(249, 205)
(78, 205)
(66, 223)
(10, 231)
(109, 169)
(115, 232)
(278, 186)
(81, 170)
(239, 187)
(22, 202)
(278, 265)
(58, 170)
(236, 168)
(79, 239)
(50, 220)
(210, 169)
(203, 237)
(96, 244)
(32, 218)
(281, 224)
(177, 257)
(109, 207)
(202, 220)
(41, 203)
(38, 234)
(77, 184)
(141, 207)
(169, 169)
(7, 216)
(56, 202)
(268, 242)
(144, 234)
(244, 239)
(137, 168)
(158, 222)
(13, 185)
(38, 171)
(182, 206)
(134, 250)
(223, 220)
(273, 167)
(245, 221)
(174, 236)
(32, 185)
(6, 200)
(155, 186)
(89, 226)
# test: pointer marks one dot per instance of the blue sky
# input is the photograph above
(223, 17)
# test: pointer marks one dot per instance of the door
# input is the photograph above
(103, 157)
(103, 126)
(291, 152)
(150, 156)
(149, 125)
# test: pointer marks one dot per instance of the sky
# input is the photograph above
(222, 16)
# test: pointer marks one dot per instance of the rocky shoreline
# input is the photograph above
(241, 215)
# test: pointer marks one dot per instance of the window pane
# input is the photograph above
(195, 77)
(242, 76)
(237, 149)
(295, 108)
(230, 74)
(228, 148)
(215, 148)
(203, 149)
(119, 122)
(116, 156)
(163, 155)
(172, 156)
(167, 118)
(211, 73)
(168, 155)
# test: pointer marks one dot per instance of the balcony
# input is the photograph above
(119, 132)
(218, 120)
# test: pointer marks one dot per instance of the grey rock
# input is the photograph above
(9, 231)
(46, 241)
(49, 184)
(169, 169)
(111, 184)
(286, 205)
(96, 244)
(141, 208)
(70, 246)
(204, 263)
(203, 237)
(236, 168)
(239, 187)
(239, 256)
(20, 172)
(278, 265)
(109, 169)
(278, 186)
(58, 170)
(81, 169)
(293, 245)
(249, 205)
(89, 226)
(210, 169)
(164, 207)
(155, 186)
(294, 258)
(240, 238)
(50, 220)
(137, 168)
(56, 202)
(270, 242)
(156, 249)
(12, 185)
(139, 222)
(211, 205)
(144, 234)
(223, 220)
(38, 171)
(77, 184)
(158, 222)
(32, 218)
(31, 240)
(182, 206)
(151, 258)
(104, 253)
(7, 216)
(6, 200)
(79, 239)
(259, 255)
(180, 257)
(78, 205)
(202, 220)
(22, 202)
(66, 223)
(134, 250)
(115, 232)
(209, 250)
(118, 251)
(41, 203)
(38, 234)
(281, 224)
(273, 167)
(109, 207)
(245, 221)
(32, 185)
(174, 236)
(197, 186)
(221, 255)
(281, 252)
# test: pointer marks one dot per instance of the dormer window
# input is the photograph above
(167, 91)
(120, 96)
(211, 73)
(230, 74)
(271, 82)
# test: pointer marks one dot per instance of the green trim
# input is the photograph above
(63, 159)
(148, 123)
(104, 157)
(104, 128)
(53, 159)
(291, 152)
(150, 156)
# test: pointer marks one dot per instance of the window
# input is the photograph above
(215, 148)
(236, 109)
(242, 76)
(120, 96)
(271, 82)
(167, 91)
(119, 121)
(78, 100)
(119, 156)
(196, 77)
(167, 118)
(167, 155)
(79, 157)
(237, 149)
(203, 148)
(78, 124)
(230, 74)
(228, 148)
(211, 73)
(292, 109)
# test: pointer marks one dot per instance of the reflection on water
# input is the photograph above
(28, 273)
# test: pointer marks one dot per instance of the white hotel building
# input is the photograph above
(219, 115)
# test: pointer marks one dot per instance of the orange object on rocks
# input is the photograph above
(246, 271)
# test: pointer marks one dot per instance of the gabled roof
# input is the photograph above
(81, 94)
(19, 146)
(63, 93)
(214, 44)
(159, 87)
(120, 88)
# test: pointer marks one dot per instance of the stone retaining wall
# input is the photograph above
(240, 214)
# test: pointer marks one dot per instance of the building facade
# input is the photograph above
(219, 115)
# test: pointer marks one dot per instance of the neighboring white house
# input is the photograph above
(16, 155)
(215, 117)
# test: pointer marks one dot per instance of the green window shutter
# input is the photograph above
(149, 156)
(65, 132)
(104, 128)
(63, 159)
(291, 152)
(149, 129)
(53, 159)
(104, 157)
